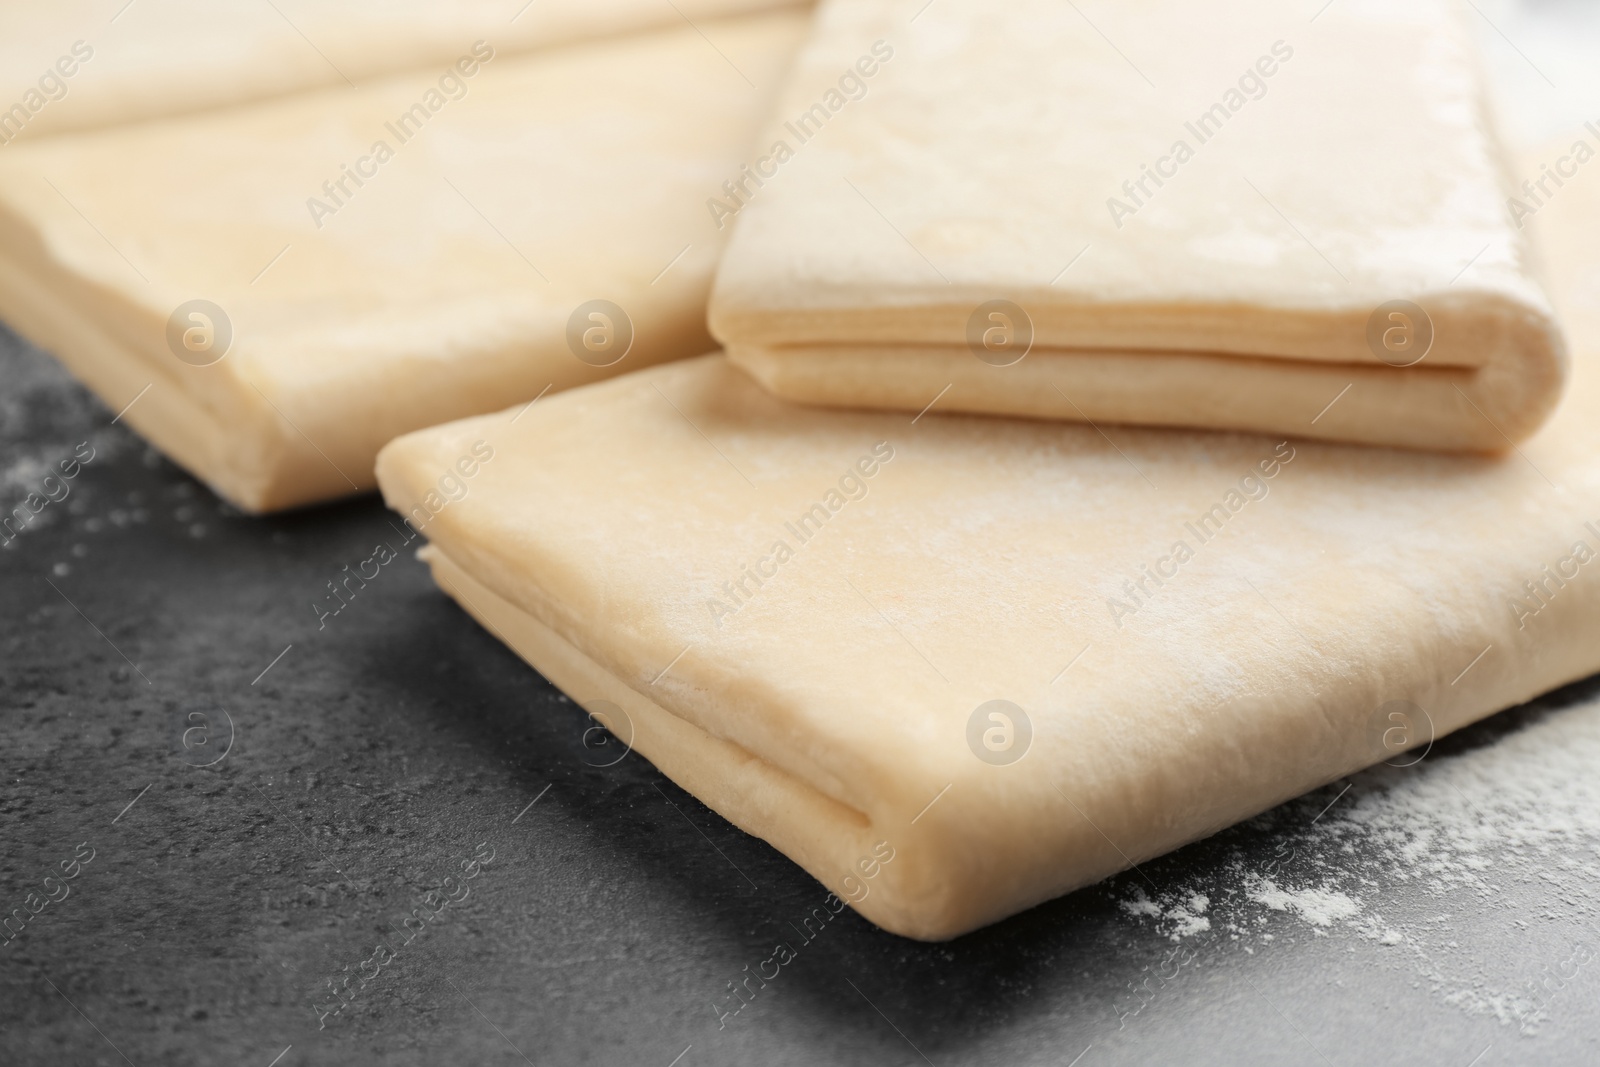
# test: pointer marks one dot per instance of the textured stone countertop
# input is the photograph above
(352, 768)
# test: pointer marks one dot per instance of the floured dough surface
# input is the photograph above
(1201, 215)
(805, 614)
(441, 284)
(122, 61)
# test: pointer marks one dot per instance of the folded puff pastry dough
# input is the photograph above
(121, 61)
(828, 703)
(444, 283)
(1202, 212)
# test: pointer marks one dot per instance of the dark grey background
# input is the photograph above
(375, 755)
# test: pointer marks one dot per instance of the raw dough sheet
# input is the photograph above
(377, 261)
(1160, 212)
(80, 64)
(803, 615)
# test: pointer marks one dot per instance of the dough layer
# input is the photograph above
(440, 285)
(846, 683)
(75, 65)
(1313, 175)
(623, 538)
(813, 829)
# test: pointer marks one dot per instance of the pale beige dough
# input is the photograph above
(153, 58)
(440, 287)
(1347, 164)
(991, 559)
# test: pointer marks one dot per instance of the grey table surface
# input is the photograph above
(221, 892)
(353, 767)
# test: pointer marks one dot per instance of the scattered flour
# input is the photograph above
(1318, 906)
(1180, 919)
(23, 472)
(1411, 857)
